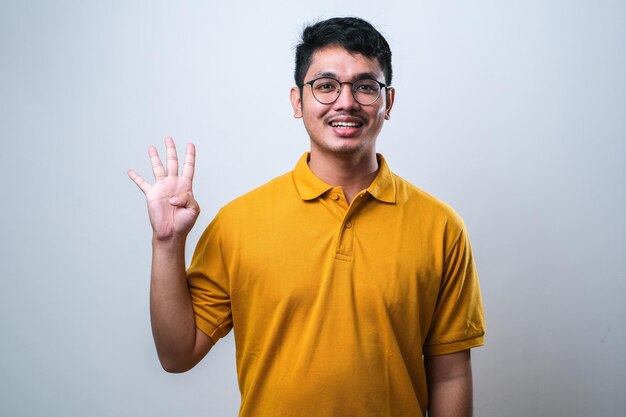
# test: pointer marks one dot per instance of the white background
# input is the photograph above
(512, 112)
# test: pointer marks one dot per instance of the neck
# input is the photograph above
(352, 172)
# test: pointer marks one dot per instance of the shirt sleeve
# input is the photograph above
(208, 282)
(458, 321)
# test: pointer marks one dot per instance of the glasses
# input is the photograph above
(327, 90)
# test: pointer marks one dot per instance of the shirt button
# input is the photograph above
(348, 225)
(334, 196)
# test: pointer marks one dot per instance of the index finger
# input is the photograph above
(189, 165)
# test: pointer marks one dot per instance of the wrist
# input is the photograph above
(173, 242)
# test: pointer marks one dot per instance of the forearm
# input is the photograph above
(450, 385)
(171, 312)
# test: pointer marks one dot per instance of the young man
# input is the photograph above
(350, 291)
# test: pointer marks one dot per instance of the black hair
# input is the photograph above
(352, 33)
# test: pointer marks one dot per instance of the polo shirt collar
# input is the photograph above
(383, 188)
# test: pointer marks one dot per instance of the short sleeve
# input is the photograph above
(208, 282)
(458, 321)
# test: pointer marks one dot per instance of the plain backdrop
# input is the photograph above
(512, 112)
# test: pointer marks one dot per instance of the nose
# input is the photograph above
(346, 98)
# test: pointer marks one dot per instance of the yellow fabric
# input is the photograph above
(334, 306)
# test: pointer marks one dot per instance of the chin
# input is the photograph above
(343, 146)
(345, 149)
(348, 150)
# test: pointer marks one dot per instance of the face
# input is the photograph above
(344, 127)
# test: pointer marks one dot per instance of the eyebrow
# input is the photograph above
(359, 76)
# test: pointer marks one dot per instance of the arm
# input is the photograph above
(173, 212)
(449, 384)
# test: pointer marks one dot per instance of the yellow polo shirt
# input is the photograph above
(333, 306)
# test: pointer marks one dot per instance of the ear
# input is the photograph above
(391, 94)
(296, 102)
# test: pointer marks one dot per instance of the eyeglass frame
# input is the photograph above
(382, 86)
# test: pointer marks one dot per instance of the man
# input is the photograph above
(350, 291)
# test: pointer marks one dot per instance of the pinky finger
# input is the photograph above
(141, 183)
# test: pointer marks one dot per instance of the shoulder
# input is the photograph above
(416, 200)
(260, 199)
(425, 212)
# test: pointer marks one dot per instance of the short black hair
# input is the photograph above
(352, 33)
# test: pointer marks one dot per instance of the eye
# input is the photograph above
(325, 86)
(367, 87)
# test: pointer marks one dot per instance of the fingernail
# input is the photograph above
(174, 200)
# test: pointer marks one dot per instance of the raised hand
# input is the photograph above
(171, 205)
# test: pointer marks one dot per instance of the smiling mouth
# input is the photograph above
(345, 124)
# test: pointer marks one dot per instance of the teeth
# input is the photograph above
(344, 124)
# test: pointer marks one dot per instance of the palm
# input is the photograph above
(166, 219)
(170, 219)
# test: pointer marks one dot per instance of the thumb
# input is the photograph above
(185, 200)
